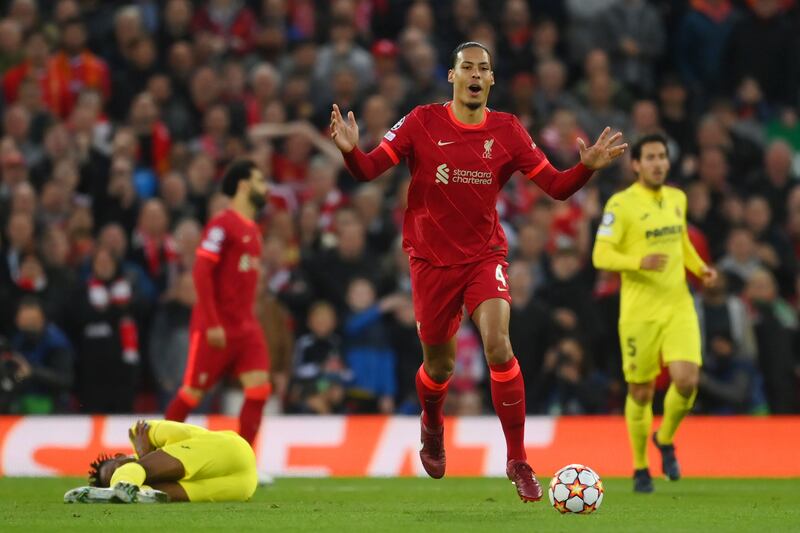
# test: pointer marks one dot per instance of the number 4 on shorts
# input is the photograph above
(498, 274)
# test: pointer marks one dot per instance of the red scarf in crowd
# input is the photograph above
(117, 293)
(717, 13)
(158, 253)
(159, 148)
(83, 71)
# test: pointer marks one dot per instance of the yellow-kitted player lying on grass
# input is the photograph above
(173, 462)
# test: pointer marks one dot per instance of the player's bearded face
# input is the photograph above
(472, 77)
(258, 191)
(653, 165)
(257, 198)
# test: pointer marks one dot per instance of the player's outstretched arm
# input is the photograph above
(344, 133)
(603, 152)
(363, 167)
(561, 184)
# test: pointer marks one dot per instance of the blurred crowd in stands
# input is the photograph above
(118, 119)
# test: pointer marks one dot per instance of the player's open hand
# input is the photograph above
(603, 152)
(654, 262)
(344, 132)
(140, 438)
(216, 337)
(709, 276)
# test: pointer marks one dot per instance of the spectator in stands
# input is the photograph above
(367, 350)
(730, 382)
(19, 241)
(568, 294)
(741, 260)
(176, 24)
(34, 66)
(320, 373)
(776, 331)
(106, 338)
(368, 202)
(700, 45)
(33, 279)
(567, 385)
(757, 47)
(78, 66)
(773, 247)
(331, 271)
(152, 247)
(122, 202)
(10, 43)
(600, 111)
(222, 26)
(169, 337)
(777, 179)
(550, 94)
(633, 34)
(40, 364)
(342, 51)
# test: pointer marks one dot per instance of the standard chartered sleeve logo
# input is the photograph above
(443, 174)
(459, 175)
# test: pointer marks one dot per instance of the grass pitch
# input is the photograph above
(411, 505)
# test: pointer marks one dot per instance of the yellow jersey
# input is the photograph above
(638, 222)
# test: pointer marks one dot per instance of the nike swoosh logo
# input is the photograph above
(443, 143)
(510, 404)
(501, 289)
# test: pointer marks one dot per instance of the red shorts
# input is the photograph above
(439, 294)
(245, 350)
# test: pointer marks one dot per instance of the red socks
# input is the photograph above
(508, 397)
(431, 397)
(252, 411)
(180, 406)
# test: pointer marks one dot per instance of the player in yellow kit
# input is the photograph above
(643, 236)
(173, 462)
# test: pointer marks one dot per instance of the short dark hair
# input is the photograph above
(30, 300)
(236, 172)
(465, 45)
(74, 21)
(636, 150)
(94, 470)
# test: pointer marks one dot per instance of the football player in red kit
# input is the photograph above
(225, 336)
(460, 154)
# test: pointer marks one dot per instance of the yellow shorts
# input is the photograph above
(646, 344)
(220, 466)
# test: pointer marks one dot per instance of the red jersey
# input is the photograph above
(226, 272)
(457, 171)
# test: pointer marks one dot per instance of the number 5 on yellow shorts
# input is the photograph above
(641, 343)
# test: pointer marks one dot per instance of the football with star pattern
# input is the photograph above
(576, 489)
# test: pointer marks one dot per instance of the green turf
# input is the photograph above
(412, 505)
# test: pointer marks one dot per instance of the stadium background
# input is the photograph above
(111, 153)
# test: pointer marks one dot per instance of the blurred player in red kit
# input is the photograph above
(460, 155)
(224, 336)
